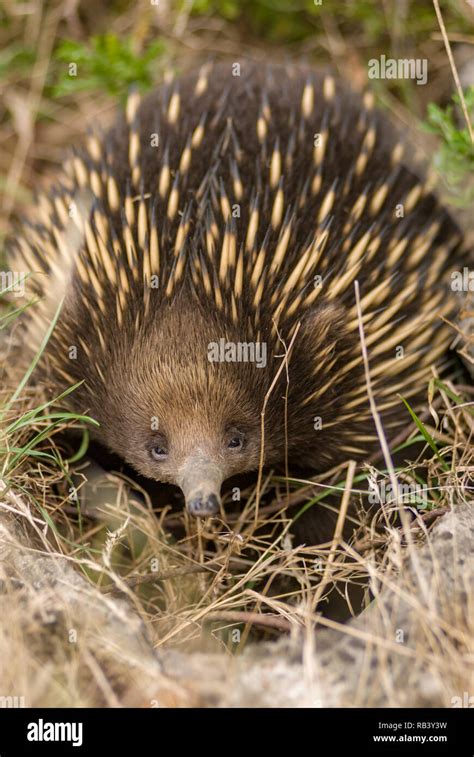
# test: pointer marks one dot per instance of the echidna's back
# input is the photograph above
(265, 150)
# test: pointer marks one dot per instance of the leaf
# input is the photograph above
(426, 435)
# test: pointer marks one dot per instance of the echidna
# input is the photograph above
(221, 221)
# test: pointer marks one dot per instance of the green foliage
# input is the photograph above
(454, 159)
(16, 59)
(228, 9)
(368, 21)
(107, 64)
(276, 20)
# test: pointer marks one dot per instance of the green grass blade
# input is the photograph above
(426, 435)
(34, 362)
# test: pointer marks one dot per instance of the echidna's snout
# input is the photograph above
(203, 505)
(200, 480)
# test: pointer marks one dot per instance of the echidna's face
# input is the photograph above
(196, 446)
(184, 419)
(200, 455)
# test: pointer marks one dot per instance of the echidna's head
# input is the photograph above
(178, 413)
(181, 398)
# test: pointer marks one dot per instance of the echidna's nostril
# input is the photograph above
(203, 506)
(213, 503)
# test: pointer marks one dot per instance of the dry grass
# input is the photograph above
(219, 585)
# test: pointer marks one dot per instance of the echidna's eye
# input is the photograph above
(235, 440)
(159, 452)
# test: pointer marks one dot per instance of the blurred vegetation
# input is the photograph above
(123, 43)
(454, 159)
(111, 61)
(16, 59)
(297, 20)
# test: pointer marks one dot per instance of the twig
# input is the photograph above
(337, 534)
(262, 418)
(386, 452)
(155, 577)
(252, 618)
